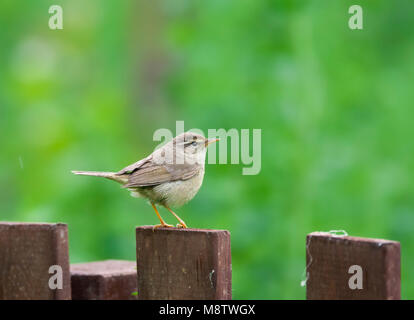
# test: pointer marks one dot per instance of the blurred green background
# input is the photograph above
(335, 107)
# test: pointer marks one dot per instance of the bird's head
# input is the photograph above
(193, 145)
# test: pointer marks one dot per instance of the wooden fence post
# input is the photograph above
(343, 267)
(27, 253)
(104, 280)
(183, 263)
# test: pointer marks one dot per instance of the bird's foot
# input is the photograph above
(181, 225)
(163, 225)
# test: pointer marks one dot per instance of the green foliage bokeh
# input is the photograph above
(335, 108)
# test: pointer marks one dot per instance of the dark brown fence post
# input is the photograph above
(343, 267)
(104, 280)
(183, 263)
(27, 253)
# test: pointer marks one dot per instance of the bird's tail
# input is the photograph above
(108, 175)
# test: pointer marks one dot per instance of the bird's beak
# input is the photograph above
(210, 141)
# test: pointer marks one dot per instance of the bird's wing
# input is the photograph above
(132, 167)
(151, 174)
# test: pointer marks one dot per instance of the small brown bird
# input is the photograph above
(170, 176)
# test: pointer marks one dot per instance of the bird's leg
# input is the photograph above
(163, 224)
(182, 223)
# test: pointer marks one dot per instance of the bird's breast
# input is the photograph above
(177, 193)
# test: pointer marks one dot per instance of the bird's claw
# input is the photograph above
(165, 225)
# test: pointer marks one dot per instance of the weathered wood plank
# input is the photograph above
(330, 259)
(183, 263)
(27, 251)
(104, 280)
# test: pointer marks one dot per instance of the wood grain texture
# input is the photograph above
(104, 280)
(27, 250)
(183, 263)
(329, 258)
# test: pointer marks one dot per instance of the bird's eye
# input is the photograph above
(193, 143)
